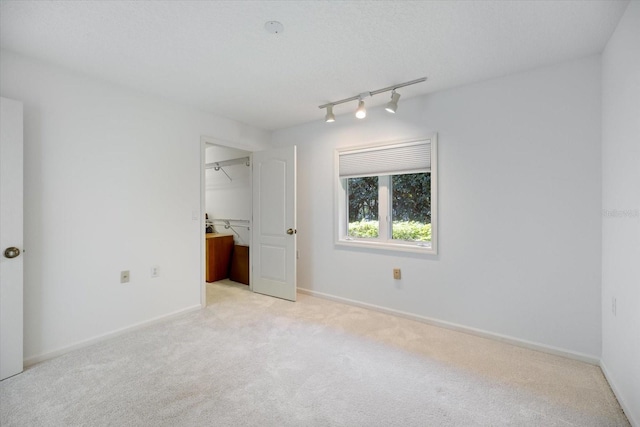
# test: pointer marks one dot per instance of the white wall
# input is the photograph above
(111, 180)
(230, 199)
(621, 211)
(519, 193)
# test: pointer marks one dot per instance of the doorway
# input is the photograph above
(227, 195)
(253, 206)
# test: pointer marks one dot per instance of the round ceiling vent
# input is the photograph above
(274, 27)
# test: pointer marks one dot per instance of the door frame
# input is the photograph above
(204, 142)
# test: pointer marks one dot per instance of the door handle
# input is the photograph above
(291, 231)
(11, 252)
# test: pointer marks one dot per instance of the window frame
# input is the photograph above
(384, 241)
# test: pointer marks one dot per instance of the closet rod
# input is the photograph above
(230, 162)
(245, 221)
(227, 223)
(231, 226)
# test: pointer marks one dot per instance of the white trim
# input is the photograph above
(460, 328)
(386, 245)
(377, 145)
(203, 210)
(214, 140)
(625, 407)
(104, 337)
(434, 193)
(339, 200)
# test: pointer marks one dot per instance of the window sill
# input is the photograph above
(386, 246)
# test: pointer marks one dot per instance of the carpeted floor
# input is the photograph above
(251, 360)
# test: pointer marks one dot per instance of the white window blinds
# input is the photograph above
(392, 159)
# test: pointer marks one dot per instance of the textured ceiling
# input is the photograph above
(217, 56)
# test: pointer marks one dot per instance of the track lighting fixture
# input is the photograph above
(361, 112)
(329, 118)
(392, 105)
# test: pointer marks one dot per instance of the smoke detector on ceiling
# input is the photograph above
(274, 27)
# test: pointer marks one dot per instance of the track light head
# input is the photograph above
(392, 105)
(361, 112)
(329, 118)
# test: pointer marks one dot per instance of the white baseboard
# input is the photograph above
(625, 407)
(85, 343)
(460, 328)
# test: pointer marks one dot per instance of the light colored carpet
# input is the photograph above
(251, 360)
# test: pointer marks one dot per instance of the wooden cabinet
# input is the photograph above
(239, 271)
(218, 252)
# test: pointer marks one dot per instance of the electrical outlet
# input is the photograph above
(155, 271)
(396, 274)
(124, 276)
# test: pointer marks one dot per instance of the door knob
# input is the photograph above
(11, 252)
(291, 231)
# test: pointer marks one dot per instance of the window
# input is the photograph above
(386, 196)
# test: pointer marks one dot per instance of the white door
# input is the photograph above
(273, 251)
(10, 238)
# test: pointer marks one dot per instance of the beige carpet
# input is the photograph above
(251, 360)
